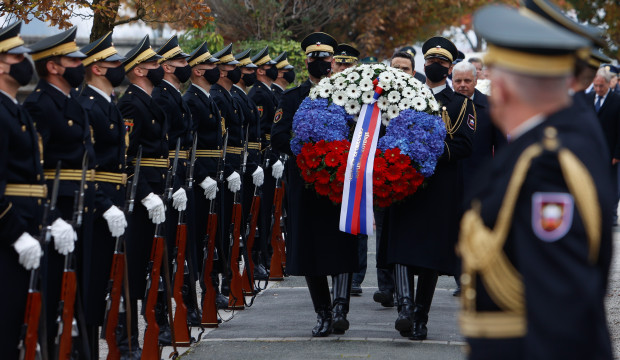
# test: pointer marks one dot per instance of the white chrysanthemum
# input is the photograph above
(353, 91)
(393, 96)
(386, 76)
(393, 111)
(367, 74)
(385, 85)
(325, 82)
(414, 82)
(400, 84)
(325, 92)
(408, 92)
(434, 105)
(405, 103)
(378, 66)
(365, 85)
(418, 103)
(352, 107)
(425, 92)
(385, 119)
(313, 93)
(367, 97)
(383, 103)
(340, 98)
(340, 82)
(353, 76)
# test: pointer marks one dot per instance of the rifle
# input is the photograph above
(237, 263)
(150, 349)
(209, 307)
(29, 348)
(276, 268)
(250, 231)
(67, 325)
(180, 269)
(117, 274)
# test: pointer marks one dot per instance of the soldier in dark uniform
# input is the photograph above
(411, 51)
(103, 73)
(147, 125)
(286, 76)
(433, 210)
(66, 135)
(315, 247)
(536, 244)
(346, 56)
(22, 189)
(232, 117)
(210, 128)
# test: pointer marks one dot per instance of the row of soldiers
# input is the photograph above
(70, 152)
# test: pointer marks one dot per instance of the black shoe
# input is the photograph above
(135, 354)
(419, 331)
(323, 325)
(457, 292)
(356, 289)
(404, 322)
(340, 323)
(260, 273)
(384, 297)
(194, 317)
(221, 301)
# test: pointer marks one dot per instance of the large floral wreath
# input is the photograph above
(409, 144)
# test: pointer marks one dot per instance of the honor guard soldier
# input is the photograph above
(234, 122)
(103, 73)
(210, 128)
(286, 76)
(435, 209)
(147, 125)
(22, 190)
(346, 56)
(315, 247)
(66, 135)
(245, 76)
(536, 244)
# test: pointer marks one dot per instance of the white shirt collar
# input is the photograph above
(239, 87)
(437, 89)
(264, 83)
(14, 100)
(602, 97)
(57, 88)
(171, 84)
(203, 90)
(279, 86)
(141, 89)
(525, 126)
(100, 92)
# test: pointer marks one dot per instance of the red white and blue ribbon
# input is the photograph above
(356, 212)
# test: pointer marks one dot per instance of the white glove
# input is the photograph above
(210, 187)
(155, 207)
(258, 176)
(179, 200)
(234, 182)
(29, 251)
(116, 220)
(64, 236)
(277, 169)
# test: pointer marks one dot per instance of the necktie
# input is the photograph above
(597, 105)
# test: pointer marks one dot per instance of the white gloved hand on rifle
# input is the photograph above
(29, 251)
(116, 221)
(234, 182)
(277, 169)
(258, 176)
(155, 206)
(210, 187)
(179, 199)
(64, 236)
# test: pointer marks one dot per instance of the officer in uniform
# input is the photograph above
(286, 76)
(411, 51)
(536, 243)
(434, 210)
(210, 128)
(315, 247)
(147, 126)
(66, 136)
(232, 117)
(346, 56)
(22, 189)
(103, 73)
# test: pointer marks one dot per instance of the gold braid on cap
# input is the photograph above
(101, 55)
(263, 60)
(62, 49)
(10, 43)
(282, 64)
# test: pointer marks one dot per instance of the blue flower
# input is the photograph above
(317, 120)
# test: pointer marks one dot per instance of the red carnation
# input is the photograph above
(340, 173)
(337, 187)
(332, 159)
(381, 191)
(321, 147)
(393, 174)
(380, 164)
(402, 161)
(392, 154)
(321, 189)
(313, 160)
(322, 176)
(336, 198)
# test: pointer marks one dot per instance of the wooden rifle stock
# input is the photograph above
(235, 301)
(209, 306)
(150, 350)
(30, 328)
(248, 286)
(276, 272)
(181, 330)
(113, 301)
(65, 311)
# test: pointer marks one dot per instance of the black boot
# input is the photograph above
(319, 293)
(161, 316)
(221, 301)
(402, 279)
(427, 280)
(341, 285)
(194, 315)
(122, 334)
(323, 325)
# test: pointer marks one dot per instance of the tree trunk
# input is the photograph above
(103, 21)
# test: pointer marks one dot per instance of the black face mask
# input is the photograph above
(183, 73)
(435, 72)
(212, 75)
(234, 75)
(115, 75)
(21, 72)
(155, 75)
(319, 68)
(74, 75)
(249, 79)
(272, 73)
(289, 76)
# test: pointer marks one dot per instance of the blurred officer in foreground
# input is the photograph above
(536, 243)
(315, 247)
